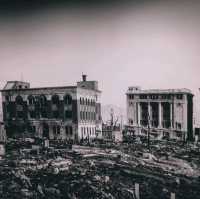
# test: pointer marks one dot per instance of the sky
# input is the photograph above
(152, 44)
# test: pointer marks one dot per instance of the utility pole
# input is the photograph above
(148, 133)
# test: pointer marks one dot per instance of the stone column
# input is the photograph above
(160, 114)
(139, 112)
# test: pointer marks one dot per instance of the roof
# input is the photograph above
(40, 88)
(160, 91)
(44, 88)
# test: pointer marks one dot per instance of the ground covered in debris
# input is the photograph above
(105, 171)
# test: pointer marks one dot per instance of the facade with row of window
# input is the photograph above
(167, 113)
(51, 112)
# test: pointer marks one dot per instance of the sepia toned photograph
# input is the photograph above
(99, 99)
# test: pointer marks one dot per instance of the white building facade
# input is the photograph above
(167, 113)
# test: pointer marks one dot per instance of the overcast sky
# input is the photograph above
(153, 45)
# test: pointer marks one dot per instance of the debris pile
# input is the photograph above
(85, 172)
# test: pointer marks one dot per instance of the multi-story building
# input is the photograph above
(167, 113)
(69, 112)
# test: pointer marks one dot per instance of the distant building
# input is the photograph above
(69, 112)
(168, 113)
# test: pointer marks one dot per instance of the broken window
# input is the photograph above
(166, 115)
(54, 130)
(131, 96)
(166, 96)
(68, 100)
(143, 96)
(130, 121)
(178, 125)
(32, 114)
(46, 130)
(153, 96)
(165, 135)
(68, 130)
(43, 106)
(19, 107)
(179, 96)
(179, 134)
(31, 129)
(31, 100)
(7, 98)
(55, 99)
(58, 129)
(68, 114)
(55, 106)
(55, 114)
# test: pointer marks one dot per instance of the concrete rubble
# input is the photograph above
(100, 172)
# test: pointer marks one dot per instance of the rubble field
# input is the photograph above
(105, 171)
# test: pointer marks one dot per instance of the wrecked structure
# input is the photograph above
(68, 112)
(112, 130)
(166, 113)
(112, 133)
(2, 132)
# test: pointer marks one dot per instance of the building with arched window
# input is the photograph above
(52, 112)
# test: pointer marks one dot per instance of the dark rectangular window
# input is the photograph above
(31, 129)
(81, 115)
(179, 96)
(143, 96)
(68, 130)
(32, 114)
(54, 129)
(20, 114)
(68, 114)
(55, 114)
(153, 96)
(131, 96)
(58, 129)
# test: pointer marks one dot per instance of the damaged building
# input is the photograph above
(167, 113)
(69, 112)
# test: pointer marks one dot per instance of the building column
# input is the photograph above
(171, 116)
(149, 114)
(139, 113)
(160, 114)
